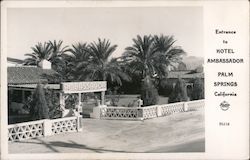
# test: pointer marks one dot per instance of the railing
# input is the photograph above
(68, 124)
(149, 112)
(139, 113)
(171, 108)
(41, 128)
(120, 113)
(195, 105)
(22, 131)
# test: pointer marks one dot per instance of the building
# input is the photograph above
(14, 62)
(188, 76)
(23, 80)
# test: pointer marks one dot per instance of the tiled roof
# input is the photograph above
(14, 60)
(27, 75)
(185, 74)
(33, 86)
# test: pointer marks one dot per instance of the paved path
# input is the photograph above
(180, 132)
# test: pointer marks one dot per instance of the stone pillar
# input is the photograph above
(102, 97)
(79, 108)
(62, 100)
(185, 107)
(79, 98)
(159, 109)
(96, 113)
(23, 97)
(79, 123)
(47, 127)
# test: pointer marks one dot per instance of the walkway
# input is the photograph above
(180, 132)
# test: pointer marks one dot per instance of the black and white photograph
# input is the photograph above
(140, 79)
(105, 80)
(124, 80)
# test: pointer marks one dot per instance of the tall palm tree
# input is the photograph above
(142, 56)
(57, 56)
(78, 60)
(149, 56)
(100, 64)
(173, 54)
(39, 52)
(52, 51)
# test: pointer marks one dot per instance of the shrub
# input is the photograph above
(179, 93)
(39, 109)
(53, 102)
(165, 87)
(149, 93)
(71, 101)
(198, 89)
(113, 96)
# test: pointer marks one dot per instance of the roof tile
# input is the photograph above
(28, 75)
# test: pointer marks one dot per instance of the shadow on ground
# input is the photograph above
(71, 144)
(195, 146)
(180, 132)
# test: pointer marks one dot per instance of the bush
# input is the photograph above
(71, 100)
(39, 109)
(198, 89)
(114, 96)
(165, 87)
(179, 93)
(53, 102)
(149, 93)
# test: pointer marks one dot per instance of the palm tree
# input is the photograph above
(78, 60)
(149, 57)
(51, 51)
(100, 64)
(57, 54)
(172, 56)
(165, 45)
(142, 56)
(73, 62)
(39, 52)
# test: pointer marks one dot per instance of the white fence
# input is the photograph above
(41, 128)
(139, 113)
(120, 113)
(195, 105)
(171, 108)
(149, 112)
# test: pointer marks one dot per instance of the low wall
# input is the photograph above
(140, 113)
(41, 128)
(120, 113)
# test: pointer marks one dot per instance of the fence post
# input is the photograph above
(79, 123)
(142, 113)
(96, 113)
(159, 113)
(47, 127)
(185, 106)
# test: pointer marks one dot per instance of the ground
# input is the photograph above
(179, 132)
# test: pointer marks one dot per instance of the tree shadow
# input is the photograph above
(70, 144)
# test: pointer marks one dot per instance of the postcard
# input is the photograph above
(125, 79)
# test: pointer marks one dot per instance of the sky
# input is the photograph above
(28, 26)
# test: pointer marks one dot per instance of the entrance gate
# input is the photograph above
(80, 88)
